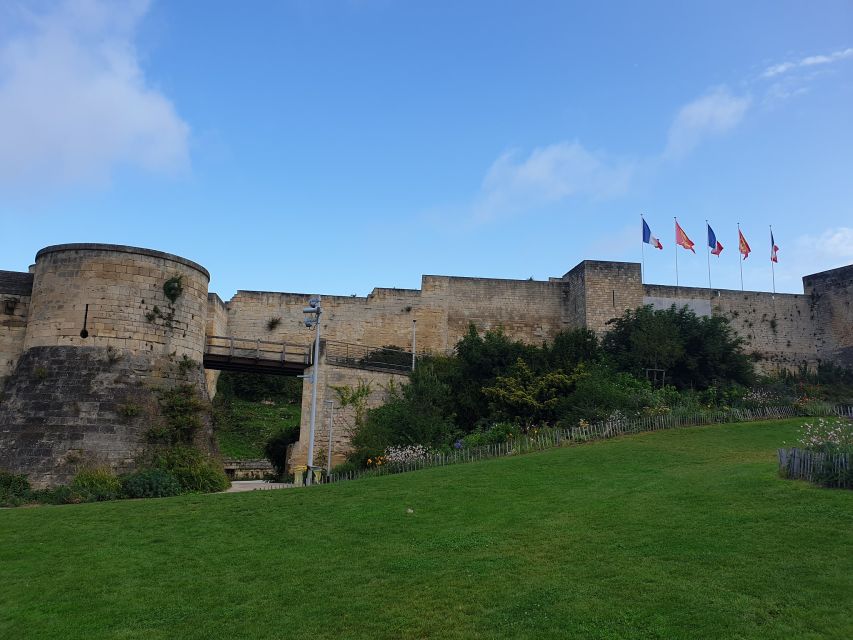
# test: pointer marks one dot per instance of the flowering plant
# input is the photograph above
(403, 454)
(827, 435)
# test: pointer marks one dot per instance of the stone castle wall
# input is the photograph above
(778, 329)
(343, 417)
(127, 307)
(15, 294)
(830, 296)
(63, 390)
(73, 401)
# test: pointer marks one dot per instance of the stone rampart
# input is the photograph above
(777, 329)
(102, 338)
(15, 294)
(830, 295)
(91, 330)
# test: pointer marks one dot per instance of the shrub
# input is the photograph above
(96, 485)
(696, 352)
(831, 436)
(495, 434)
(14, 489)
(194, 471)
(150, 483)
(275, 449)
(63, 494)
(346, 467)
(181, 409)
(405, 454)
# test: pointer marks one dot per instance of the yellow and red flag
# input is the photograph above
(682, 239)
(743, 245)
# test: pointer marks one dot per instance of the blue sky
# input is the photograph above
(336, 146)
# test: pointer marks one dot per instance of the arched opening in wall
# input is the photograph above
(256, 419)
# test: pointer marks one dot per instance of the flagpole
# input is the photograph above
(740, 260)
(772, 264)
(708, 250)
(675, 251)
(642, 252)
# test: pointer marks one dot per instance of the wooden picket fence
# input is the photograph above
(830, 469)
(549, 438)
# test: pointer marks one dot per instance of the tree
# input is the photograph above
(526, 398)
(696, 352)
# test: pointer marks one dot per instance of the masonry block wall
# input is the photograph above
(778, 330)
(63, 393)
(830, 296)
(127, 307)
(86, 399)
(610, 288)
(343, 417)
(15, 294)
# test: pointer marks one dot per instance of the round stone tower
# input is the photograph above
(110, 327)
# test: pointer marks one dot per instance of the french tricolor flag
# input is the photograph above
(716, 247)
(648, 238)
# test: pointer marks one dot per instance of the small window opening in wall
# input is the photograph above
(614, 298)
(9, 305)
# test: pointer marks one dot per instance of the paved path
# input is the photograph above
(256, 485)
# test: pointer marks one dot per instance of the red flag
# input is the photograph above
(743, 245)
(682, 239)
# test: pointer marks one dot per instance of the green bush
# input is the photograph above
(150, 483)
(63, 494)
(181, 409)
(195, 472)
(255, 387)
(346, 467)
(96, 485)
(497, 433)
(275, 449)
(15, 489)
(696, 352)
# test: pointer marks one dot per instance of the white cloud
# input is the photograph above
(716, 112)
(548, 175)
(809, 61)
(833, 246)
(74, 102)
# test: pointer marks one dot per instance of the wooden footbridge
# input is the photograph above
(228, 353)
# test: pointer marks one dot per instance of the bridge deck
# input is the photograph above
(226, 353)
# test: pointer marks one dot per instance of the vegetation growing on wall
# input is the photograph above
(173, 288)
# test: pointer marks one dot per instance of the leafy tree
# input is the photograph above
(526, 398)
(696, 352)
(479, 361)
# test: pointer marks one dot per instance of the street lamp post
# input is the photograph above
(331, 406)
(312, 320)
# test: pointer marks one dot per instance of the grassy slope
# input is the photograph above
(244, 428)
(680, 534)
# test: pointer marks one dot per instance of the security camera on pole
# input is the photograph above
(312, 320)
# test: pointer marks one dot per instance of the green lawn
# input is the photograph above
(680, 534)
(243, 428)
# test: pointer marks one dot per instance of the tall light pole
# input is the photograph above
(331, 406)
(414, 341)
(312, 319)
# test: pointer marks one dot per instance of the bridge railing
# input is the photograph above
(255, 349)
(344, 354)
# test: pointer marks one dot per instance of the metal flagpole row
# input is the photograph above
(740, 256)
(675, 251)
(708, 252)
(772, 261)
